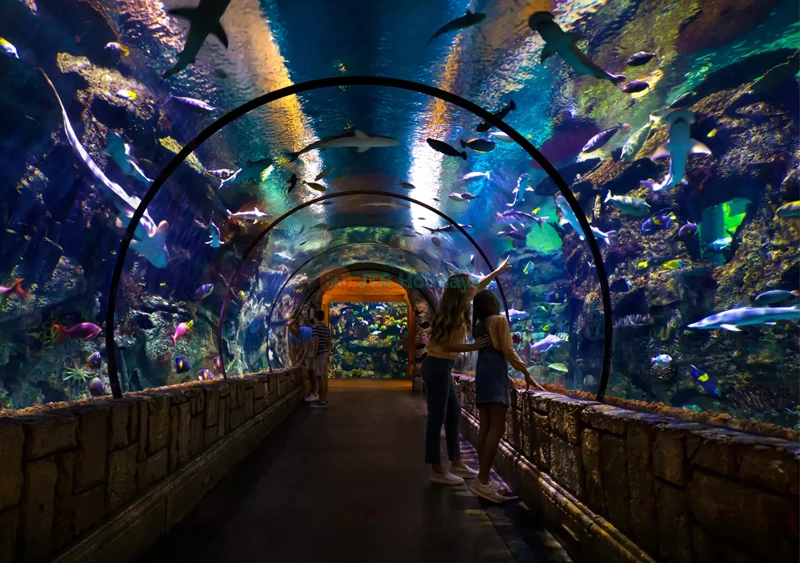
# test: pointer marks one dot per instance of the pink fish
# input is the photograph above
(180, 331)
(15, 287)
(82, 330)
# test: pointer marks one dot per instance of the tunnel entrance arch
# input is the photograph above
(343, 81)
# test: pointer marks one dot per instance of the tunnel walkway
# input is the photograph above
(347, 483)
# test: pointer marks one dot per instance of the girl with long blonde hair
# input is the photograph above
(445, 343)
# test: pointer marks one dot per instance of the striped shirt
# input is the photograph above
(322, 333)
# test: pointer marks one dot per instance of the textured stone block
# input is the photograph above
(64, 502)
(133, 424)
(209, 436)
(12, 443)
(143, 402)
(258, 388)
(669, 455)
(566, 466)
(178, 396)
(540, 401)
(236, 418)
(248, 403)
(641, 485)
(92, 441)
(615, 480)
(258, 406)
(153, 470)
(90, 508)
(751, 520)
(565, 417)
(197, 401)
(184, 431)
(118, 425)
(9, 524)
(224, 390)
(773, 466)
(541, 440)
(222, 419)
(174, 419)
(158, 423)
(715, 450)
(605, 417)
(48, 433)
(590, 454)
(233, 399)
(38, 508)
(212, 406)
(122, 476)
(196, 435)
(674, 524)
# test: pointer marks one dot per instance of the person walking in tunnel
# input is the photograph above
(492, 395)
(321, 335)
(302, 336)
(445, 343)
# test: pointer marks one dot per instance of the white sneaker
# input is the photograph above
(446, 478)
(487, 491)
(311, 398)
(466, 472)
(501, 489)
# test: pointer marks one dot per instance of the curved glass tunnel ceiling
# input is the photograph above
(663, 283)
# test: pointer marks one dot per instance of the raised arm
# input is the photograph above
(486, 280)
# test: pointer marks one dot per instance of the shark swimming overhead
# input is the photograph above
(203, 20)
(746, 316)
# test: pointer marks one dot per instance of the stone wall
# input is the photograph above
(67, 471)
(680, 492)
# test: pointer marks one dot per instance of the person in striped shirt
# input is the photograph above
(321, 336)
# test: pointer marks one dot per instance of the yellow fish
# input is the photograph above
(119, 48)
(712, 133)
(641, 265)
(537, 210)
(528, 268)
(545, 328)
(673, 264)
(126, 94)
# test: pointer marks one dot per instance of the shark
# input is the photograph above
(564, 45)
(678, 148)
(567, 216)
(149, 237)
(120, 152)
(203, 21)
(352, 138)
(732, 319)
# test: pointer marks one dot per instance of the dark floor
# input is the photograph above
(347, 483)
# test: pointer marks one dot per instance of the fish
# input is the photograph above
(96, 387)
(674, 264)
(556, 297)
(514, 215)
(791, 209)
(589, 380)
(322, 174)
(514, 314)
(720, 244)
(14, 289)
(634, 86)
(500, 136)
(203, 291)
(81, 330)
(658, 222)
(702, 378)
(687, 231)
(776, 296)
(317, 187)
(389, 204)
(528, 268)
(126, 94)
(631, 205)
(513, 234)
(558, 367)
(94, 361)
(182, 365)
(548, 342)
(118, 47)
(678, 148)
(635, 142)
(253, 215)
(467, 20)
(216, 363)
(683, 100)
(375, 332)
(213, 240)
(620, 286)
(732, 319)
(476, 175)
(567, 215)
(564, 44)
(662, 360)
(222, 173)
(640, 58)
(642, 265)
(478, 145)
(352, 138)
(518, 189)
(602, 237)
(9, 49)
(121, 153)
(321, 226)
(472, 259)
(180, 330)
(149, 238)
(483, 126)
(444, 148)
(407, 185)
(603, 137)
(198, 106)
(292, 183)
(205, 375)
(203, 21)
(436, 241)
(516, 338)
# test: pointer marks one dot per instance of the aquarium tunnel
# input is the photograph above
(182, 184)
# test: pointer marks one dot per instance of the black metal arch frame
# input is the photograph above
(325, 197)
(378, 81)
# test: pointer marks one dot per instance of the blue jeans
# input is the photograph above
(443, 408)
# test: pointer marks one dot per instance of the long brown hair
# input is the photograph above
(453, 310)
(484, 305)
